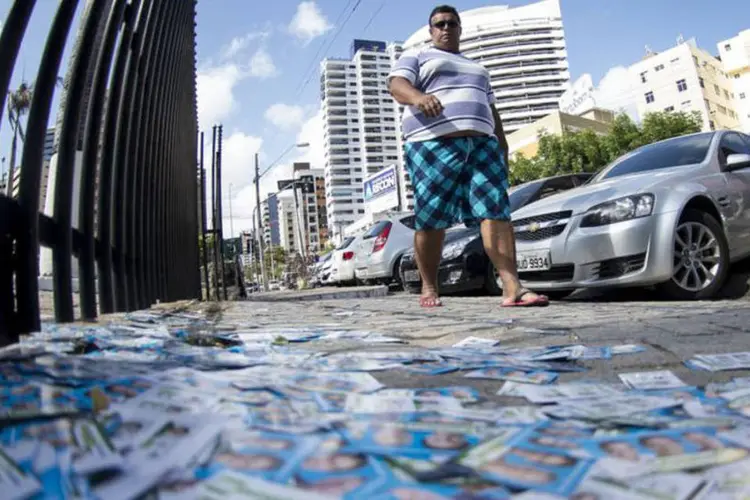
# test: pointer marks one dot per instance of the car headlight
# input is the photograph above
(630, 207)
(456, 248)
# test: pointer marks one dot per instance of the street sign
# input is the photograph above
(381, 190)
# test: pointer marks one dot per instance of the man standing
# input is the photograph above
(456, 155)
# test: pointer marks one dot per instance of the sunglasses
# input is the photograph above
(445, 24)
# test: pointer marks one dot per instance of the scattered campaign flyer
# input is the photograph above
(661, 379)
(16, 484)
(496, 373)
(476, 343)
(231, 485)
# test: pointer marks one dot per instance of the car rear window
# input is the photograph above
(345, 243)
(376, 229)
(408, 221)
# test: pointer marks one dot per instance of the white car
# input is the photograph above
(377, 257)
(342, 261)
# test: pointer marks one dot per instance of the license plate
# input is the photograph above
(411, 276)
(533, 261)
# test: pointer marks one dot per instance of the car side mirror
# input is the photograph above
(737, 161)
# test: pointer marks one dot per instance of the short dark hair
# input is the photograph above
(444, 9)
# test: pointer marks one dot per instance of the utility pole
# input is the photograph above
(260, 226)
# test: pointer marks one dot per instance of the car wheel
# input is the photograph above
(492, 280)
(396, 280)
(701, 258)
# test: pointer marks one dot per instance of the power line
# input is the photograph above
(338, 31)
(303, 81)
(372, 17)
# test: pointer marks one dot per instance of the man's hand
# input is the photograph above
(429, 105)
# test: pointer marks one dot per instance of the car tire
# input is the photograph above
(491, 281)
(396, 279)
(679, 289)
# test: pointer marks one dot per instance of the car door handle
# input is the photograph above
(723, 201)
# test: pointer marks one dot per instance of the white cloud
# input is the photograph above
(240, 43)
(308, 22)
(617, 92)
(261, 64)
(286, 117)
(215, 87)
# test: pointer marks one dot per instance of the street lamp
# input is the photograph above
(258, 175)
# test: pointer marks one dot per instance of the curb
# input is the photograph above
(368, 292)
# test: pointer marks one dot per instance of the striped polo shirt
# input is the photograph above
(461, 85)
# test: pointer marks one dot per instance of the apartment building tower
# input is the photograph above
(270, 214)
(735, 59)
(361, 126)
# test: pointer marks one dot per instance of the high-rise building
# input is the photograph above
(270, 214)
(735, 59)
(361, 126)
(310, 188)
(524, 50)
(684, 78)
(288, 224)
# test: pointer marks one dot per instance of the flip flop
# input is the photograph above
(539, 301)
(430, 302)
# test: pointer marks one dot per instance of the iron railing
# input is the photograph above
(127, 120)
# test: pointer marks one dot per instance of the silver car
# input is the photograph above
(674, 214)
(377, 255)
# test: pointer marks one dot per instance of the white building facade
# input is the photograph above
(361, 125)
(524, 50)
(735, 58)
(288, 224)
(684, 78)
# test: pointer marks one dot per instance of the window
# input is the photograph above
(669, 109)
(728, 47)
(732, 144)
(681, 85)
(659, 67)
(700, 80)
(695, 60)
(643, 77)
(716, 89)
(649, 97)
(742, 95)
(726, 94)
(711, 125)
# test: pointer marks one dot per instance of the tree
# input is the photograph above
(19, 102)
(586, 151)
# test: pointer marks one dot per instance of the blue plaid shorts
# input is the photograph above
(458, 179)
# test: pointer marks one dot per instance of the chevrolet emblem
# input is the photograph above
(534, 227)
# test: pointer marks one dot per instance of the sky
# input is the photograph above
(258, 64)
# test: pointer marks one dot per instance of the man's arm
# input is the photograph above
(405, 93)
(500, 133)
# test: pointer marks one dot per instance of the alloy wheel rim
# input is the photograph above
(696, 256)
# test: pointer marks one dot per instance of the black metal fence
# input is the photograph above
(128, 122)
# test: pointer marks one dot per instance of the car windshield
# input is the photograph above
(520, 195)
(376, 229)
(677, 152)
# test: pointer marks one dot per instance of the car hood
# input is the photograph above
(581, 199)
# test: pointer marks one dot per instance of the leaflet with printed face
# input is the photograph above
(510, 459)
(640, 445)
(661, 379)
(413, 440)
(461, 393)
(728, 481)
(93, 451)
(719, 362)
(601, 409)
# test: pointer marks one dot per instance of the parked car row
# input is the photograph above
(674, 215)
